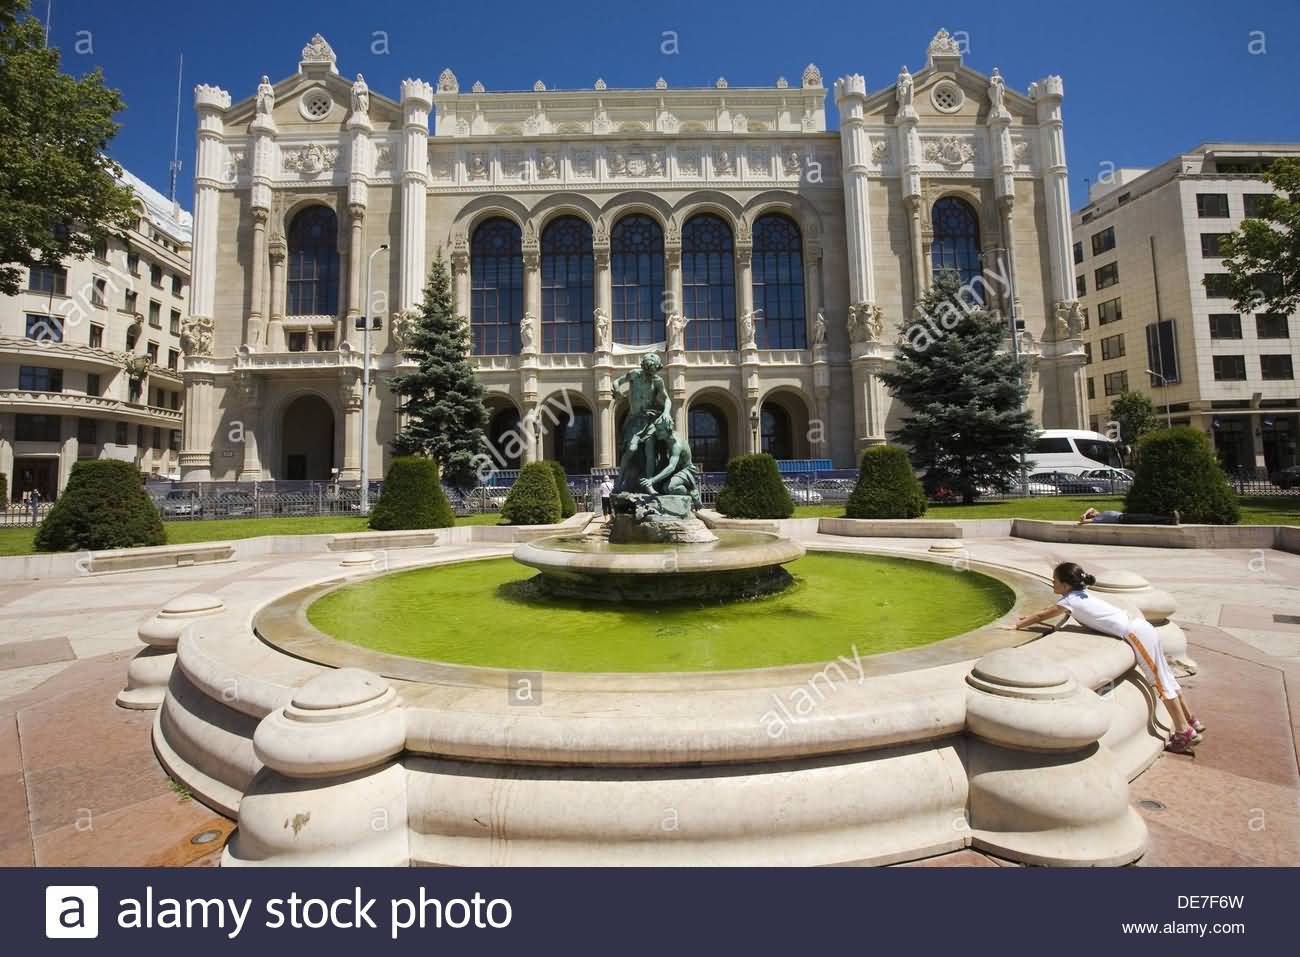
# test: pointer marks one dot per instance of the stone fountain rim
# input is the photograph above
(687, 559)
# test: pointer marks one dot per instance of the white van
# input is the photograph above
(1074, 451)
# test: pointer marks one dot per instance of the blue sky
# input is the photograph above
(1143, 80)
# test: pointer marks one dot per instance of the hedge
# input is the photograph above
(754, 489)
(412, 497)
(887, 487)
(1177, 469)
(104, 506)
(568, 507)
(533, 499)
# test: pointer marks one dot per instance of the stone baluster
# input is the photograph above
(150, 670)
(333, 790)
(1042, 791)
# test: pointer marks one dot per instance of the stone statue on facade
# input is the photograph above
(819, 329)
(747, 340)
(402, 325)
(1068, 319)
(723, 164)
(527, 326)
(675, 327)
(265, 97)
(903, 88)
(997, 91)
(601, 318)
(360, 97)
(196, 336)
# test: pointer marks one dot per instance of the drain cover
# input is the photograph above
(205, 837)
(1147, 804)
(1287, 619)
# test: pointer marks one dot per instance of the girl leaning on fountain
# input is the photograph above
(1071, 583)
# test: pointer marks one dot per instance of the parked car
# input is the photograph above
(295, 503)
(486, 498)
(234, 504)
(1013, 488)
(347, 500)
(835, 490)
(1287, 477)
(181, 503)
(1068, 484)
(804, 496)
(1113, 479)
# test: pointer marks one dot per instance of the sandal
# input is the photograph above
(1197, 725)
(1180, 743)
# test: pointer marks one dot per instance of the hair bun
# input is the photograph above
(1090, 580)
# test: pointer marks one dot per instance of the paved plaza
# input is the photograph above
(80, 784)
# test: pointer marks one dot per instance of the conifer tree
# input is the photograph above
(442, 398)
(966, 423)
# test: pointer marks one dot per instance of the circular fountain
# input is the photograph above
(737, 565)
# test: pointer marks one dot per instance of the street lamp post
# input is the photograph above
(1164, 384)
(365, 384)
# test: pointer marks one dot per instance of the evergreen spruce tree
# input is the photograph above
(967, 423)
(442, 398)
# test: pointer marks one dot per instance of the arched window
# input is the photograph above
(777, 434)
(496, 283)
(567, 286)
(956, 243)
(708, 283)
(573, 441)
(780, 322)
(636, 262)
(707, 427)
(312, 287)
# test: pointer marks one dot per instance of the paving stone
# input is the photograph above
(23, 654)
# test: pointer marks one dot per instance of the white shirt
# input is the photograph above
(606, 488)
(1097, 615)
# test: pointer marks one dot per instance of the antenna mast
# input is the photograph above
(176, 142)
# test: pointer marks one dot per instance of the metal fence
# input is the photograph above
(194, 501)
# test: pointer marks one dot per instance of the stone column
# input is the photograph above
(744, 282)
(263, 170)
(673, 279)
(362, 160)
(460, 277)
(356, 263)
(1047, 94)
(813, 287)
(350, 399)
(532, 295)
(605, 440)
(916, 243)
(255, 333)
(277, 253)
(328, 753)
(602, 286)
(909, 174)
(150, 670)
(417, 100)
(246, 386)
(851, 97)
(210, 103)
(199, 426)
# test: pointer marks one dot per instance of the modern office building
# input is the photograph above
(91, 358)
(1144, 247)
(770, 261)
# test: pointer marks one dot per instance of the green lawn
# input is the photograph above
(18, 541)
(1255, 510)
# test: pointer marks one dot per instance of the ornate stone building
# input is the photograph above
(772, 262)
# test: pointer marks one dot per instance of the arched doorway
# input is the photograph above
(776, 431)
(709, 438)
(505, 438)
(573, 440)
(307, 439)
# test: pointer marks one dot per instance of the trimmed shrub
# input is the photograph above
(1177, 469)
(533, 499)
(754, 489)
(104, 506)
(412, 497)
(568, 507)
(887, 487)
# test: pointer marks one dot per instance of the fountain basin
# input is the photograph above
(740, 564)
